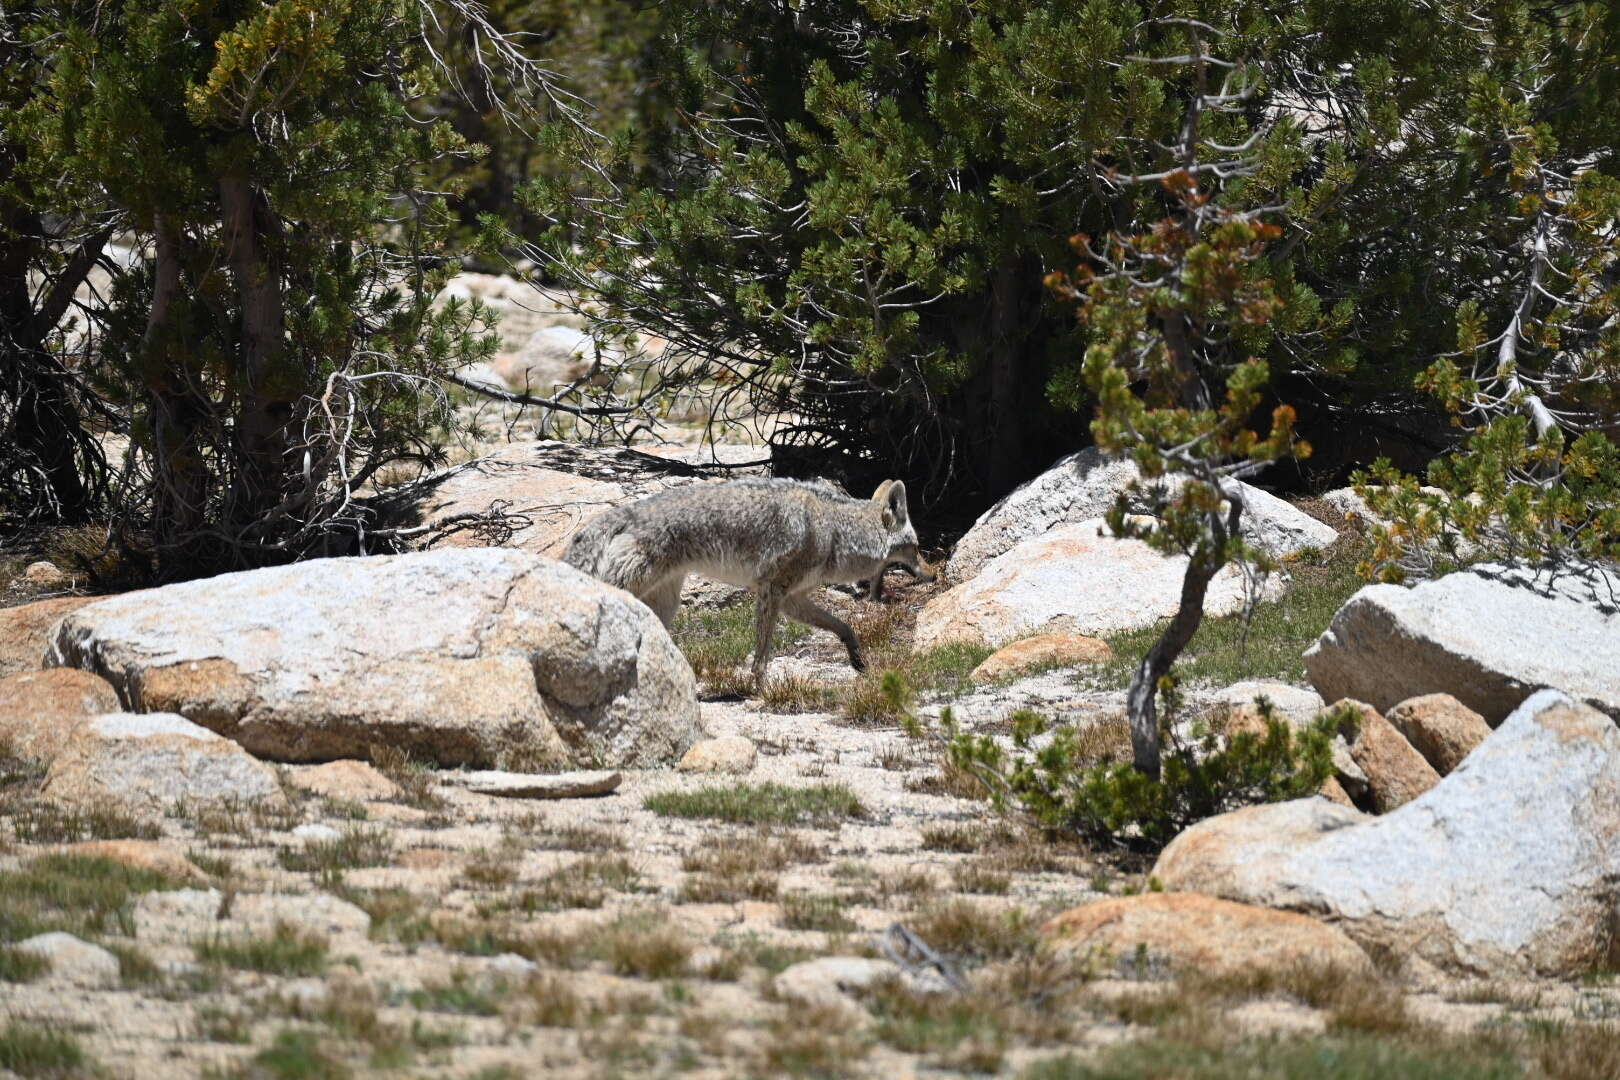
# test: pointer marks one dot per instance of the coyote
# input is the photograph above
(780, 538)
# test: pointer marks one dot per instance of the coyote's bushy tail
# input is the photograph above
(587, 551)
(605, 549)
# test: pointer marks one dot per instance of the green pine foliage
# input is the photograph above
(1052, 773)
(1533, 379)
(275, 343)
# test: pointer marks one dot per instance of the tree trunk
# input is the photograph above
(267, 389)
(180, 480)
(1008, 328)
(1141, 701)
(45, 432)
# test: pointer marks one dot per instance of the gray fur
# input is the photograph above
(780, 538)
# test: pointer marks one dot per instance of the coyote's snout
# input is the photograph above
(780, 538)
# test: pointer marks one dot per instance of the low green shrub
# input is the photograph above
(1061, 785)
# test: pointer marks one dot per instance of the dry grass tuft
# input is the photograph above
(726, 869)
(415, 778)
(812, 911)
(796, 694)
(584, 838)
(813, 1041)
(584, 883)
(974, 933)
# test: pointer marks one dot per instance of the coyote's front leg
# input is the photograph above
(802, 608)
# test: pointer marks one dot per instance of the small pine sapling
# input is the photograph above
(1176, 314)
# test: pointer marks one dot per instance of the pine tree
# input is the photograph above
(278, 345)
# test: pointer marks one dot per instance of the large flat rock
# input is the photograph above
(478, 657)
(1489, 636)
(1075, 579)
(1085, 485)
(1507, 867)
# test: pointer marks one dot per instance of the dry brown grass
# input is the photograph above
(975, 933)
(981, 875)
(546, 1000)
(814, 1041)
(584, 883)
(1574, 1050)
(1354, 1003)
(415, 778)
(584, 838)
(903, 888)
(816, 911)
(729, 868)
(796, 694)
(880, 626)
(951, 780)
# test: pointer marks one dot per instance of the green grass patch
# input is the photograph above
(462, 995)
(83, 896)
(718, 641)
(355, 848)
(32, 1050)
(295, 1055)
(17, 966)
(1269, 646)
(897, 677)
(52, 823)
(1340, 1058)
(761, 804)
(287, 951)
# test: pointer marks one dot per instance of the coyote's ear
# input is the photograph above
(891, 496)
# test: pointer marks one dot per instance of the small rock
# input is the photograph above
(1294, 704)
(74, 961)
(568, 785)
(511, 966)
(305, 996)
(732, 754)
(45, 575)
(154, 761)
(1189, 932)
(1042, 650)
(38, 709)
(139, 855)
(1441, 728)
(1396, 773)
(826, 982)
(26, 630)
(348, 779)
(317, 833)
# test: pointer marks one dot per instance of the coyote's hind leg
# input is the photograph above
(765, 615)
